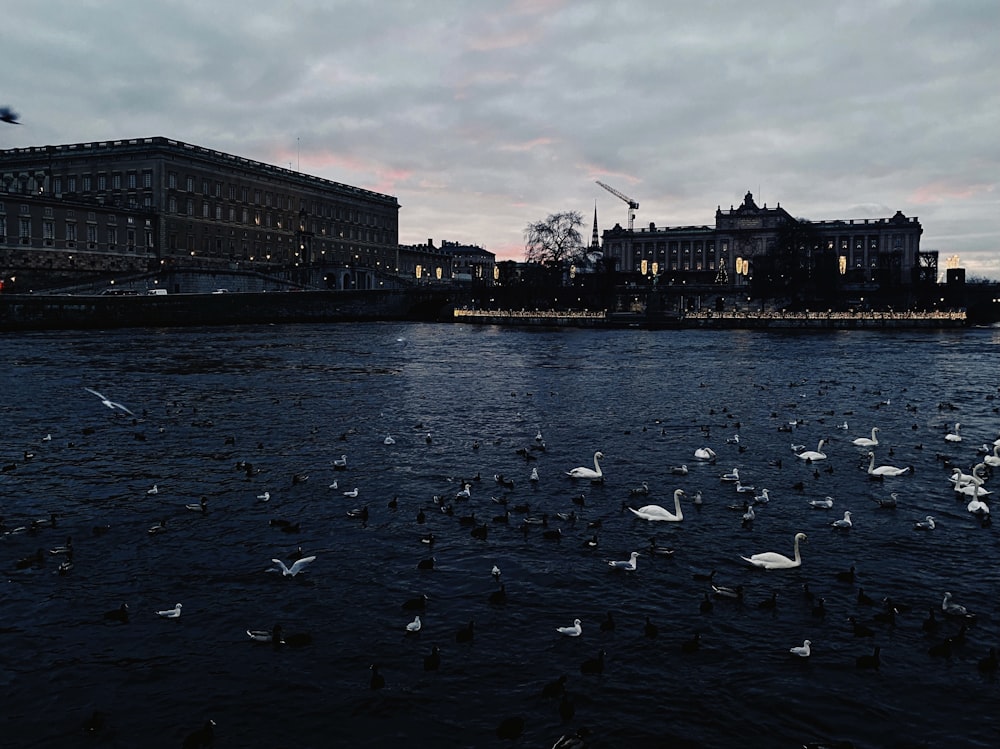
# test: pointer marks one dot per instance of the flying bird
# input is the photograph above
(109, 403)
(295, 568)
(9, 116)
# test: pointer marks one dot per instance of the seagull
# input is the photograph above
(352, 493)
(414, 626)
(264, 497)
(575, 631)
(628, 565)
(802, 651)
(844, 522)
(821, 504)
(110, 403)
(952, 609)
(389, 440)
(927, 524)
(340, 463)
(296, 568)
(173, 613)
(153, 490)
(496, 572)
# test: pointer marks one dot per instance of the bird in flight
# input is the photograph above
(295, 568)
(110, 403)
(9, 116)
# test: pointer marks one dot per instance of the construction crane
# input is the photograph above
(632, 205)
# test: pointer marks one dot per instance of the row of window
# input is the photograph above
(86, 181)
(70, 235)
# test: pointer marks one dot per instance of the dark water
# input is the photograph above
(294, 398)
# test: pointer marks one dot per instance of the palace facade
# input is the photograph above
(885, 251)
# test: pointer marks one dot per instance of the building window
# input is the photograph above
(256, 197)
(147, 179)
(70, 233)
(57, 185)
(189, 184)
(172, 204)
(102, 182)
(149, 238)
(246, 216)
(116, 181)
(204, 187)
(92, 236)
(130, 238)
(112, 237)
(172, 180)
(86, 183)
(71, 184)
(218, 213)
(189, 207)
(132, 180)
(48, 233)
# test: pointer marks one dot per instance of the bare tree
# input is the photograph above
(554, 240)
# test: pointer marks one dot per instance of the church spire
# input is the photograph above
(594, 243)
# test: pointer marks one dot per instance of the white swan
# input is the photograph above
(771, 560)
(866, 441)
(958, 477)
(816, 454)
(954, 436)
(295, 568)
(655, 512)
(973, 488)
(977, 507)
(704, 453)
(802, 651)
(883, 470)
(628, 565)
(594, 474)
(994, 459)
(574, 631)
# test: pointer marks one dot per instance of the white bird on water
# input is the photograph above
(704, 453)
(927, 524)
(821, 504)
(264, 497)
(655, 512)
(574, 631)
(594, 474)
(868, 441)
(954, 436)
(153, 490)
(414, 626)
(352, 493)
(296, 568)
(803, 650)
(110, 403)
(883, 470)
(811, 455)
(771, 560)
(627, 565)
(388, 440)
(173, 613)
(844, 522)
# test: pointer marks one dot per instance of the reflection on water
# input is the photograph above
(466, 403)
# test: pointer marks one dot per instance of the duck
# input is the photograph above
(628, 565)
(658, 551)
(499, 596)
(594, 666)
(954, 436)
(803, 650)
(656, 512)
(377, 681)
(869, 661)
(201, 506)
(594, 474)
(574, 630)
(608, 625)
(119, 614)
(844, 522)
(811, 455)
(771, 560)
(927, 524)
(432, 662)
(868, 441)
(704, 453)
(884, 470)
(466, 633)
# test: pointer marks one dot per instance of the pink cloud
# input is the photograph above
(529, 145)
(941, 191)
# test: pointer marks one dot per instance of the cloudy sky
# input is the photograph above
(481, 117)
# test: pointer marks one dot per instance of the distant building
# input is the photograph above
(883, 250)
(471, 262)
(129, 201)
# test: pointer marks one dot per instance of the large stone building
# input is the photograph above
(882, 250)
(130, 204)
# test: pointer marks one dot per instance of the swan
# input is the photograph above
(954, 436)
(704, 453)
(883, 470)
(952, 609)
(627, 565)
(573, 631)
(594, 474)
(927, 524)
(802, 651)
(655, 512)
(977, 507)
(972, 488)
(868, 441)
(994, 459)
(816, 454)
(770, 560)
(680, 470)
(295, 568)
(958, 477)
(844, 522)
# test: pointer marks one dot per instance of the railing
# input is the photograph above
(952, 316)
(532, 314)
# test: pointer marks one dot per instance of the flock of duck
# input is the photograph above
(632, 514)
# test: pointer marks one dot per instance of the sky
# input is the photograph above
(483, 117)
